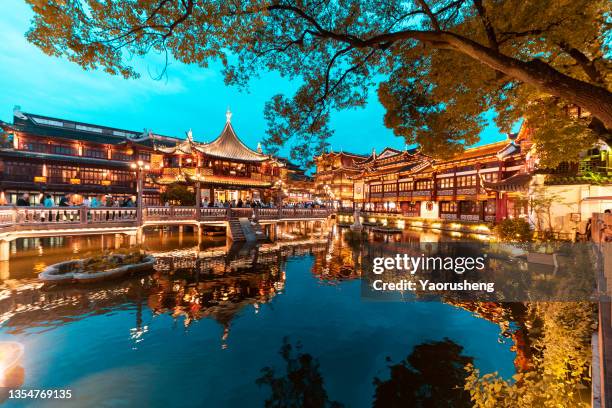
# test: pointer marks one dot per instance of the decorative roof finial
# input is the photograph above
(228, 115)
(259, 149)
(374, 153)
(17, 112)
(190, 135)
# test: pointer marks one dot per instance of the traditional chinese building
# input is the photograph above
(484, 183)
(333, 178)
(41, 154)
(298, 187)
(469, 187)
(225, 169)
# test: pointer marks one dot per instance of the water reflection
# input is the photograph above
(214, 310)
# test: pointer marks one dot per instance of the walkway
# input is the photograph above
(18, 222)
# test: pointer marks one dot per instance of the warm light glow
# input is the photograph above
(133, 165)
(140, 163)
(75, 181)
(481, 228)
(454, 225)
(40, 179)
(436, 225)
(401, 224)
(417, 223)
(455, 234)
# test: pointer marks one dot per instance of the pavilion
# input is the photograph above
(223, 170)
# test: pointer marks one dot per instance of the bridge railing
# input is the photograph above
(213, 214)
(159, 213)
(241, 212)
(65, 215)
(267, 213)
(111, 214)
(14, 216)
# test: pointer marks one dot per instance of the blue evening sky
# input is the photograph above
(190, 96)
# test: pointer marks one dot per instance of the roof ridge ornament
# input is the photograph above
(18, 113)
(228, 115)
(259, 149)
(190, 135)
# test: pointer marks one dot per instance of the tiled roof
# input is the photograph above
(228, 146)
(517, 182)
(45, 126)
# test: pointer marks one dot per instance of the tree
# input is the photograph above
(440, 64)
(560, 376)
(178, 194)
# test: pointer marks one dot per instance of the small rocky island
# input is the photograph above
(98, 268)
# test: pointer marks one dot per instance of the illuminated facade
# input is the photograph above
(333, 178)
(40, 154)
(225, 169)
(469, 187)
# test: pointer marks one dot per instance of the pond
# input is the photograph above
(209, 331)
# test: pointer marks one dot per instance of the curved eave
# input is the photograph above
(229, 181)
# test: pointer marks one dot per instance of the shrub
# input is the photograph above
(515, 229)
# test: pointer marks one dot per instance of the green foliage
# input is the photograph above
(440, 64)
(178, 194)
(514, 230)
(560, 374)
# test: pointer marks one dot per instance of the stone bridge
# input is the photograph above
(24, 222)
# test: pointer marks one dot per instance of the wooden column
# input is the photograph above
(198, 199)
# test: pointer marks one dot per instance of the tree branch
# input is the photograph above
(430, 14)
(585, 63)
(488, 26)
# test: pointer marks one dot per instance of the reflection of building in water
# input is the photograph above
(340, 261)
(218, 288)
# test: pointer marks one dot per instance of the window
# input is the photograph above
(468, 207)
(405, 186)
(424, 185)
(34, 147)
(446, 182)
(490, 177)
(376, 188)
(146, 157)
(390, 187)
(122, 156)
(21, 171)
(96, 153)
(63, 150)
(448, 206)
(466, 181)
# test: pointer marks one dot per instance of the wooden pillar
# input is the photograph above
(198, 200)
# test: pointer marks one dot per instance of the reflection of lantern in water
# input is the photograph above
(11, 372)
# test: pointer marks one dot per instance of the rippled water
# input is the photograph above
(183, 338)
